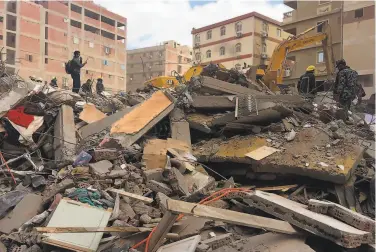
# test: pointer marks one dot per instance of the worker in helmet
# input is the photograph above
(86, 87)
(40, 80)
(53, 82)
(307, 82)
(99, 87)
(33, 78)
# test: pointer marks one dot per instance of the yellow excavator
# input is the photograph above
(172, 81)
(275, 71)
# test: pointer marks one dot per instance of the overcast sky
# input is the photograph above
(151, 22)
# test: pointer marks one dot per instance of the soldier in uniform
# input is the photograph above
(346, 87)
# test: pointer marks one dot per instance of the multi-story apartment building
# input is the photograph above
(40, 36)
(307, 14)
(248, 39)
(359, 41)
(149, 62)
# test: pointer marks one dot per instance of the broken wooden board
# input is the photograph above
(282, 188)
(70, 213)
(268, 242)
(228, 216)
(91, 114)
(131, 195)
(303, 146)
(261, 152)
(26, 209)
(318, 224)
(140, 117)
(155, 151)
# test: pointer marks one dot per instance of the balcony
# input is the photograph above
(291, 3)
(289, 17)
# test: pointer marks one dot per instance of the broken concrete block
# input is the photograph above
(342, 213)
(187, 245)
(9, 200)
(318, 224)
(140, 208)
(65, 135)
(101, 167)
(38, 180)
(117, 174)
(179, 126)
(153, 174)
(269, 242)
(52, 190)
(145, 219)
(339, 134)
(177, 181)
(218, 241)
(27, 208)
(127, 210)
(159, 187)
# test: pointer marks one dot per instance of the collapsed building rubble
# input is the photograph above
(215, 164)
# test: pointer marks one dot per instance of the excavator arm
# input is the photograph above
(275, 71)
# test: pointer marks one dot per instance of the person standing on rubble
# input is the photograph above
(99, 87)
(53, 82)
(307, 82)
(346, 88)
(76, 65)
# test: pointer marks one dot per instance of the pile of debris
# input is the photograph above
(216, 164)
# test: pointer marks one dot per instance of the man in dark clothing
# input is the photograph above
(346, 86)
(86, 87)
(99, 87)
(53, 82)
(307, 82)
(76, 65)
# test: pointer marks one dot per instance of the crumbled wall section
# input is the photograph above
(321, 225)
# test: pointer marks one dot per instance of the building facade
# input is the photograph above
(359, 41)
(40, 36)
(249, 39)
(146, 63)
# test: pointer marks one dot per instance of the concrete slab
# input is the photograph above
(159, 187)
(101, 167)
(304, 146)
(204, 122)
(268, 242)
(318, 224)
(65, 135)
(218, 241)
(188, 245)
(179, 126)
(104, 123)
(27, 208)
(215, 86)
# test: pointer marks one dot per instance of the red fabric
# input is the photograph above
(18, 117)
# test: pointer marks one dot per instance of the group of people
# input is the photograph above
(346, 87)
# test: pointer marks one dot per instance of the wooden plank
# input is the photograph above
(131, 195)
(99, 229)
(276, 188)
(231, 217)
(161, 230)
(91, 114)
(261, 152)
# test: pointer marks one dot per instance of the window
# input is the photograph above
(320, 57)
(197, 38)
(76, 40)
(1, 19)
(46, 60)
(105, 62)
(238, 27)
(160, 53)
(238, 47)
(223, 31)
(87, 71)
(209, 35)
(107, 50)
(198, 56)
(130, 77)
(29, 57)
(265, 26)
(222, 51)
(91, 44)
(359, 13)
(179, 69)
(122, 67)
(264, 49)
(109, 76)
(279, 32)
(320, 25)
(208, 54)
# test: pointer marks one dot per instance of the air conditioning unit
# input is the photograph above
(264, 56)
(264, 34)
(287, 72)
(239, 34)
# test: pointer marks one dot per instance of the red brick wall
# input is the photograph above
(108, 56)
(29, 10)
(57, 21)
(76, 15)
(108, 27)
(92, 22)
(57, 51)
(29, 27)
(76, 31)
(29, 44)
(23, 59)
(58, 7)
(57, 36)
(55, 66)
(95, 51)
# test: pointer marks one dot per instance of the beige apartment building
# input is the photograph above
(146, 63)
(40, 36)
(359, 41)
(307, 14)
(248, 39)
